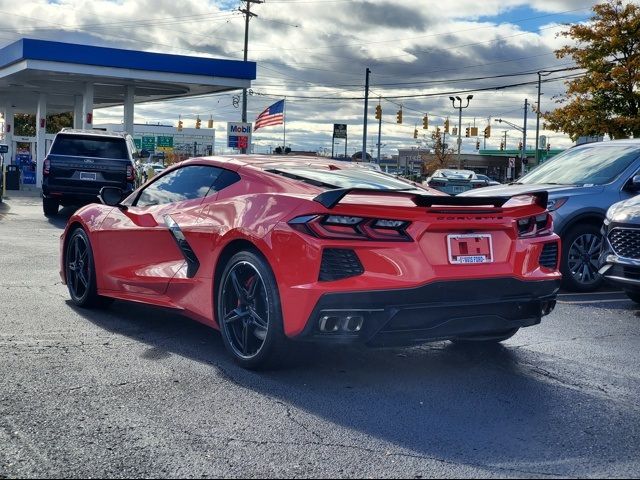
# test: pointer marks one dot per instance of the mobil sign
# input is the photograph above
(239, 135)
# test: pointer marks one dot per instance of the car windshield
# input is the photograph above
(347, 178)
(90, 146)
(595, 164)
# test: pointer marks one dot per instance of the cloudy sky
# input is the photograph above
(315, 52)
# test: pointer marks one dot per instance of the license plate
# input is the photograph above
(458, 189)
(470, 249)
(88, 176)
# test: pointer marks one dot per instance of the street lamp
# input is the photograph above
(460, 107)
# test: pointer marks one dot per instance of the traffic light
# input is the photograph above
(378, 112)
(487, 131)
(501, 145)
(446, 126)
(468, 132)
(438, 131)
(198, 122)
(525, 161)
(399, 116)
(477, 144)
(180, 124)
(520, 146)
(548, 146)
(210, 122)
(425, 122)
(415, 133)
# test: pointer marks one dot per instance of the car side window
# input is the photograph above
(186, 183)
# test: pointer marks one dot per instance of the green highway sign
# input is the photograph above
(138, 143)
(165, 142)
(148, 143)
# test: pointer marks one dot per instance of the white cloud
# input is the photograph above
(325, 55)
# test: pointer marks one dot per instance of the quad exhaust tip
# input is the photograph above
(341, 323)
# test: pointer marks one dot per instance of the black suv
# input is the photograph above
(81, 162)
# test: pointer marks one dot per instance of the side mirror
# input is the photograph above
(634, 184)
(111, 196)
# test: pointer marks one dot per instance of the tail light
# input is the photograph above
(130, 176)
(478, 185)
(537, 226)
(46, 167)
(339, 227)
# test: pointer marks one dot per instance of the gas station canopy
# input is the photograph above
(44, 78)
(62, 71)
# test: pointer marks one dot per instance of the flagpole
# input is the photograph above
(284, 124)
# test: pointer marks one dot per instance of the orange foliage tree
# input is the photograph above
(606, 99)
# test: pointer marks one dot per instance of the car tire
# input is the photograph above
(579, 263)
(487, 338)
(80, 272)
(249, 313)
(633, 295)
(50, 206)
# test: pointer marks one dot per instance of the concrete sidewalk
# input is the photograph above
(24, 192)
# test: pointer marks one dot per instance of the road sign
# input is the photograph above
(339, 130)
(138, 143)
(148, 143)
(165, 142)
(512, 162)
(239, 135)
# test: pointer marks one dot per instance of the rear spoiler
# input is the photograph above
(331, 198)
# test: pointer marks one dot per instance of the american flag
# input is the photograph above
(274, 115)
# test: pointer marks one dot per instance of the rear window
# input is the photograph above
(90, 146)
(347, 178)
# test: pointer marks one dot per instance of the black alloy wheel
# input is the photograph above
(249, 312)
(581, 252)
(80, 271)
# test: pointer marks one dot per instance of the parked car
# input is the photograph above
(620, 258)
(81, 162)
(454, 182)
(583, 182)
(272, 250)
(488, 180)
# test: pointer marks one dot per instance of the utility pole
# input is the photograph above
(379, 132)
(366, 112)
(524, 135)
(248, 16)
(460, 107)
(540, 75)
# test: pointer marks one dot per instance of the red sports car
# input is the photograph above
(274, 249)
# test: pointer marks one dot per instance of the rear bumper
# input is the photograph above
(81, 193)
(437, 311)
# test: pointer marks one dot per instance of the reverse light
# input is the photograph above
(536, 226)
(339, 227)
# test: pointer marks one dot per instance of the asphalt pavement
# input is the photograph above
(138, 392)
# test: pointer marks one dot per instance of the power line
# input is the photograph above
(426, 95)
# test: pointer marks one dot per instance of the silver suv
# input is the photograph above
(583, 182)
